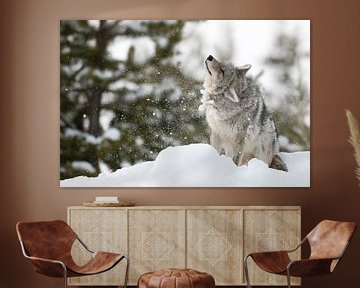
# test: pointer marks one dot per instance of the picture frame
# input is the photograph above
(135, 107)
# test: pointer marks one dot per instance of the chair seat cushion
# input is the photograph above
(272, 262)
(99, 262)
(176, 278)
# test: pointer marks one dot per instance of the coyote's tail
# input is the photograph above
(278, 164)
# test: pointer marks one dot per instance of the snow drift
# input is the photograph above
(199, 165)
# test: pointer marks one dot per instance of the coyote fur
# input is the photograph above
(241, 126)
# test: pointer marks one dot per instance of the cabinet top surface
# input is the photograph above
(192, 207)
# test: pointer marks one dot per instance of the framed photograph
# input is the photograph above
(175, 103)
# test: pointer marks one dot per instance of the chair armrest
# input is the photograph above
(298, 246)
(45, 260)
(48, 267)
(281, 251)
(84, 245)
(268, 254)
(309, 267)
(271, 261)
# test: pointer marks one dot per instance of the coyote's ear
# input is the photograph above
(243, 69)
(231, 94)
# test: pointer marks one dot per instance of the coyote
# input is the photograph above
(241, 126)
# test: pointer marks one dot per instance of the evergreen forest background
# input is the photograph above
(131, 88)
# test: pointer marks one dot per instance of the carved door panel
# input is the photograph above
(214, 244)
(101, 230)
(269, 230)
(156, 240)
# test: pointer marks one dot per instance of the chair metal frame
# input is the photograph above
(26, 255)
(288, 276)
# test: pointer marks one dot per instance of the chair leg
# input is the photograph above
(127, 271)
(65, 276)
(246, 270)
(288, 278)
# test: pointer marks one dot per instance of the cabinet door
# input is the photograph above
(101, 230)
(156, 240)
(270, 230)
(214, 244)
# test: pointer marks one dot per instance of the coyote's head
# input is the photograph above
(223, 77)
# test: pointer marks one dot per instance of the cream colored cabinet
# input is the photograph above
(214, 243)
(211, 239)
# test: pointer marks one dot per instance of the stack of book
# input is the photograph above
(106, 199)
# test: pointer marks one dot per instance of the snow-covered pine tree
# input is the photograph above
(292, 111)
(86, 70)
(116, 112)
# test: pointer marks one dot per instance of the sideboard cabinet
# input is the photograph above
(211, 239)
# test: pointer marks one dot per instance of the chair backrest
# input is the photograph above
(329, 239)
(46, 239)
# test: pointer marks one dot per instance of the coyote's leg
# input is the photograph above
(215, 141)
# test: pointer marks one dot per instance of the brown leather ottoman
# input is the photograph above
(176, 278)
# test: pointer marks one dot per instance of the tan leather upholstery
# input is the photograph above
(328, 242)
(328, 239)
(176, 278)
(52, 240)
(272, 262)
